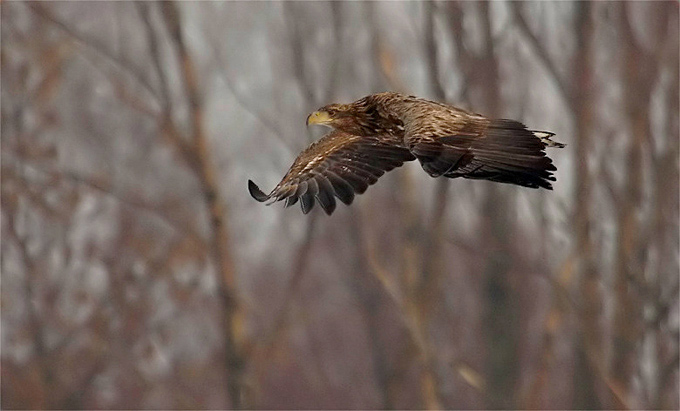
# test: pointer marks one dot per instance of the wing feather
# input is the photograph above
(325, 195)
(453, 144)
(343, 189)
(337, 165)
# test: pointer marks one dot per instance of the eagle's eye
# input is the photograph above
(331, 112)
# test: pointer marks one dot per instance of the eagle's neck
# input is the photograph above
(372, 117)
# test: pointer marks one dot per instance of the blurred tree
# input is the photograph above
(137, 273)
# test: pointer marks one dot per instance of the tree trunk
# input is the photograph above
(220, 249)
(588, 337)
(501, 322)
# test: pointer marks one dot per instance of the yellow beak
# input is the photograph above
(319, 117)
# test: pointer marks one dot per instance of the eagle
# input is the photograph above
(380, 132)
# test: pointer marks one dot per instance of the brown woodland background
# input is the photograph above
(138, 273)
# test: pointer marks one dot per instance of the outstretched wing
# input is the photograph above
(453, 143)
(338, 164)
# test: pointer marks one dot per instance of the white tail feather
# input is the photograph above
(545, 137)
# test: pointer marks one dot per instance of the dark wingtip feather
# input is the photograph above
(307, 202)
(326, 201)
(290, 201)
(256, 193)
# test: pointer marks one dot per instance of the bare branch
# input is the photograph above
(39, 9)
(297, 53)
(431, 52)
(382, 274)
(541, 52)
(336, 55)
(247, 105)
(298, 270)
(36, 326)
(165, 98)
(101, 187)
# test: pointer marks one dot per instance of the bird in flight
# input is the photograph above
(381, 131)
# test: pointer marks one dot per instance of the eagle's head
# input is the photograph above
(364, 117)
(332, 115)
(350, 118)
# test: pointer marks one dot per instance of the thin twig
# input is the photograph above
(265, 120)
(541, 52)
(297, 53)
(298, 270)
(100, 49)
(145, 13)
(139, 205)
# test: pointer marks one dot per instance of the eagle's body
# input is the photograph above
(381, 131)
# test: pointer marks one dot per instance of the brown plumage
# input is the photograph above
(379, 132)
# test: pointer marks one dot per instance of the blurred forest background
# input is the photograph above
(138, 273)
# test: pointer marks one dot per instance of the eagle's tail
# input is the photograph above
(509, 153)
(546, 138)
